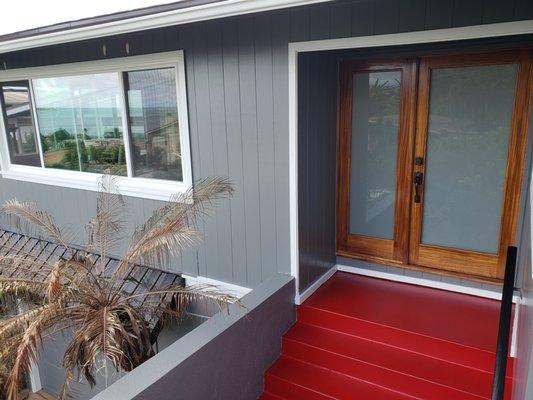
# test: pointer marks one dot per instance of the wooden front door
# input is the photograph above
(431, 157)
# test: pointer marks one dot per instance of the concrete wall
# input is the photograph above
(232, 350)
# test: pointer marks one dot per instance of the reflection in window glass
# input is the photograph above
(375, 110)
(153, 118)
(470, 117)
(80, 122)
(20, 131)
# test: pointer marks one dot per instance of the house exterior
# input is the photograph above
(383, 138)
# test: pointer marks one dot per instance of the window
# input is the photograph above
(153, 121)
(20, 131)
(66, 125)
(80, 122)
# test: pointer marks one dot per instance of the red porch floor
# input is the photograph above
(367, 338)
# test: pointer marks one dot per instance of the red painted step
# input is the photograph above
(455, 317)
(444, 350)
(270, 396)
(349, 343)
(307, 342)
(297, 380)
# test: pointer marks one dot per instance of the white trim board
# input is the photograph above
(390, 276)
(431, 36)
(300, 298)
(450, 287)
(229, 288)
(221, 9)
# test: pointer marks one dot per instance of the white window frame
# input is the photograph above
(156, 189)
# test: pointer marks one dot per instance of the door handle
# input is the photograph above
(419, 180)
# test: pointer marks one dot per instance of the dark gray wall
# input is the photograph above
(237, 77)
(233, 349)
(317, 131)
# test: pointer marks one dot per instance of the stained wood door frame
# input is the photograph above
(405, 249)
(386, 249)
(460, 260)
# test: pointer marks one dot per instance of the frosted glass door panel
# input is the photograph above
(375, 110)
(469, 123)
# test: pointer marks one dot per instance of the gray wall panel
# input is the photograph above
(265, 142)
(363, 17)
(412, 15)
(230, 35)
(316, 165)
(248, 102)
(340, 19)
(439, 14)
(280, 38)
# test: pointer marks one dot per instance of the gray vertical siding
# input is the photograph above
(237, 77)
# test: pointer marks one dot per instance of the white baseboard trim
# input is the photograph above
(229, 288)
(300, 298)
(489, 294)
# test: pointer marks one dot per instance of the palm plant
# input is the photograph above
(80, 293)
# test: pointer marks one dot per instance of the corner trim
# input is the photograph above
(300, 298)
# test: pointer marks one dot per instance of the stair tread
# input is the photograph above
(315, 344)
(455, 317)
(380, 340)
(321, 383)
(434, 347)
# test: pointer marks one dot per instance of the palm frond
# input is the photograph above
(13, 326)
(27, 350)
(103, 231)
(172, 227)
(117, 332)
(22, 289)
(107, 322)
(25, 216)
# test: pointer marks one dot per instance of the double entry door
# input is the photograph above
(431, 159)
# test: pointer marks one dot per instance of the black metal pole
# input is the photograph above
(500, 365)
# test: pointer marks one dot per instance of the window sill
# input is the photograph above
(152, 189)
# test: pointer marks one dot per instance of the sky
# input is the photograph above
(27, 14)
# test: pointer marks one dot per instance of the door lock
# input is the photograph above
(419, 180)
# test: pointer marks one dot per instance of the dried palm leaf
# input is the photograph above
(103, 231)
(171, 228)
(75, 292)
(26, 217)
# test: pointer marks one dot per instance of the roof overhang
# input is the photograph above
(219, 9)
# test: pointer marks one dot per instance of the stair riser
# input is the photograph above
(375, 375)
(290, 390)
(270, 396)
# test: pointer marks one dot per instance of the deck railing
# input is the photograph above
(502, 349)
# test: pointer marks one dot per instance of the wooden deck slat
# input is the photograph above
(41, 395)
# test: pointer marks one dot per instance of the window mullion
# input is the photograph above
(36, 122)
(125, 127)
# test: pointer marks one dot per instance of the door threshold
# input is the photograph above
(450, 287)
